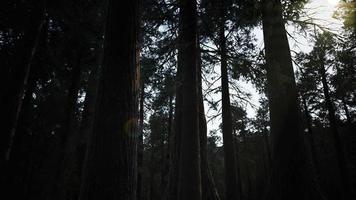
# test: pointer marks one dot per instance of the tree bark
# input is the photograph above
(189, 182)
(340, 152)
(113, 161)
(291, 175)
(232, 191)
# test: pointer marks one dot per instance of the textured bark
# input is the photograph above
(189, 182)
(209, 191)
(291, 175)
(232, 191)
(340, 152)
(18, 73)
(112, 159)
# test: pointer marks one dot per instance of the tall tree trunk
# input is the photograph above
(209, 191)
(140, 145)
(231, 178)
(291, 176)
(87, 124)
(66, 172)
(19, 160)
(175, 138)
(189, 182)
(113, 162)
(340, 154)
(311, 136)
(12, 99)
(267, 146)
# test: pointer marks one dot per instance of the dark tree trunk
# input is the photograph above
(340, 153)
(291, 175)
(267, 146)
(209, 191)
(140, 145)
(19, 160)
(189, 182)
(232, 191)
(112, 159)
(66, 172)
(347, 112)
(87, 124)
(174, 139)
(311, 136)
(18, 73)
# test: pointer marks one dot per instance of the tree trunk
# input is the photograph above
(340, 154)
(12, 99)
(19, 162)
(70, 140)
(174, 139)
(209, 191)
(189, 182)
(347, 112)
(87, 124)
(140, 144)
(311, 136)
(291, 175)
(232, 191)
(112, 161)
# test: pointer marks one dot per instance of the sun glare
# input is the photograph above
(333, 2)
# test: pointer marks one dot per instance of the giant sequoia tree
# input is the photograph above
(291, 176)
(189, 181)
(111, 172)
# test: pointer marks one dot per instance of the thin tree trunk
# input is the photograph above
(189, 182)
(174, 139)
(11, 102)
(340, 153)
(140, 145)
(66, 172)
(112, 164)
(291, 177)
(209, 191)
(347, 112)
(311, 137)
(87, 125)
(231, 178)
(267, 146)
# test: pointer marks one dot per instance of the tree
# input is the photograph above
(291, 176)
(112, 158)
(189, 181)
(16, 73)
